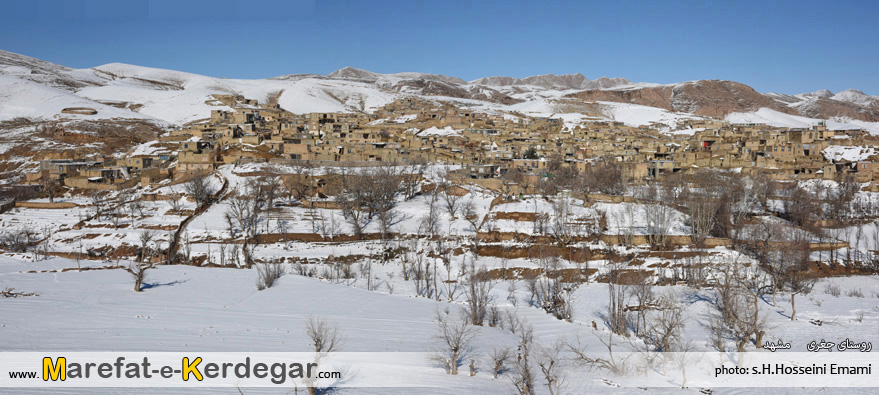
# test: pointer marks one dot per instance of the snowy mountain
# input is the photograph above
(39, 90)
(821, 93)
(857, 97)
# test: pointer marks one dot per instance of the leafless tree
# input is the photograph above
(200, 189)
(763, 189)
(455, 338)
(642, 292)
(471, 214)
(499, 359)
(329, 227)
(387, 186)
(412, 177)
(116, 217)
(477, 287)
(298, 185)
(511, 181)
(550, 291)
(175, 202)
(551, 363)
(245, 211)
(146, 237)
(793, 270)
(138, 271)
(50, 187)
(355, 202)
(565, 228)
(18, 239)
(449, 190)
(99, 202)
(604, 176)
(737, 305)
(665, 329)
(612, 363)
(617, 316)
(325, 338)
(429, 224)
(522, 369)
(658, 215)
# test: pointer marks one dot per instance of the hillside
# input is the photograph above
(172, 97)
(117, 96)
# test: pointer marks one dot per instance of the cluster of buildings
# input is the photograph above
(487, 145)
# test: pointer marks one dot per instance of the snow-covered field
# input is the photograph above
(191, 309)
(219, 309)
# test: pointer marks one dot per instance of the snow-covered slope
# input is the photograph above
(856, 96)
(38, 89)
(40, 71)
(180, 97)
(27, 99)
(775, 118)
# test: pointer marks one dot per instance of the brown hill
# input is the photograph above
(714, 98)
(827, 108)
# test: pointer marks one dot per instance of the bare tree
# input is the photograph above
(565, 228)
(658, 215)
(617, 317)
(50, 187)
(793, 270)
(455, 337)
(174, 201)
(499, 358)
(550, 291)
(551, 364)
(449, 189)
(477, 287)
(471, 214)
(605, 176)
(414, 173)
(146, 236)
(642, 291)
(325, 338)
(665, 329)
(354, 200)
(611, 363)
(429, 224)
(200, 189)
(245, 210)
(298, 185)
(387, 186)
(522, 370)
(99, 202)
(138, 271)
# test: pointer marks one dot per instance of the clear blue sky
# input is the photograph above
(774, 46)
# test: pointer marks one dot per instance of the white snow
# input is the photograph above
(23, 98)
(780, 119)
(848, 153)
(434, 131)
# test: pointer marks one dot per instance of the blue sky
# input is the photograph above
(774, 46)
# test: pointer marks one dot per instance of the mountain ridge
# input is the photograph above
(150, 91)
